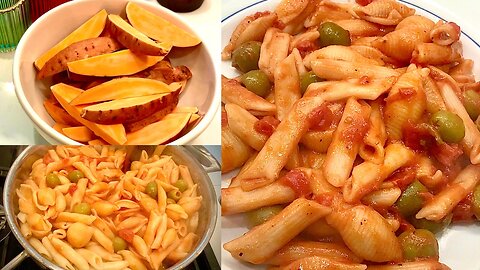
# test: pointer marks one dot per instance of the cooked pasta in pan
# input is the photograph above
(353, 133)
(94, 208)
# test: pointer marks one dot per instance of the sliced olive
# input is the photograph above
(261, 215)
(52, 180)
(257, 81)
(75, 175)
(333, 34)
(418, 244)
(433, 226)
(181, 185)
(245, 57)
(119, 244)
(151, 189)
(411, 200)
(174, 195)
(450, 126)
(306, 79)
(82, 208)
(471, 101)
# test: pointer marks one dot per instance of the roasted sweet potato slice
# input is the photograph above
(133, 39)
(120, 63)
(186, 110)
(79, 134)
(58, 114)
(90, 29)
(158, 28)
(97, 142)
(160, 132)
(113, 134)
(129, 110)
(124, 88)
(59, 127)
(77, 51)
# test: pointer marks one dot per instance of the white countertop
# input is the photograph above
(16, 127)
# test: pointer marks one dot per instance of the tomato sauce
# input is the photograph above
(126, 234)
(307, 46)
(266, 125)
(403, 177)
(321, 118)
(363, 2)
(464, 210)
(72, 189)
(47, 159)
(297, 180)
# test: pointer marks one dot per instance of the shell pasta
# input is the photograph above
(351, 132)
(92, 207)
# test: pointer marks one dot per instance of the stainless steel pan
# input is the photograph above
(197, 158)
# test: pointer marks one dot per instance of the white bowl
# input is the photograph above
(203, 90)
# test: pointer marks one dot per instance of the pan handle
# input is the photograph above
(208, 161)
(16, 261)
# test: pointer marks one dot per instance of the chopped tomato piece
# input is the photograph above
(321, 118)
(126, 234)
(446, 153)
(363, 2)
(47, 159)
(266, 125)
(403, 177)
(72, 189)
(297, 180)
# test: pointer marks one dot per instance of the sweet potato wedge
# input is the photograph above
(193, 110)
(90, 29)
(113, 134)
(79, 134)
(120, 63)
(58, 114)
(160, 132)
(124, 88)
(77, 51)
(158, 28)
(129, 110)
(97, 142)
(59, 127)
(165, 72)
(133, 39)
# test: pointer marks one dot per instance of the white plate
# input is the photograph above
(459, 244)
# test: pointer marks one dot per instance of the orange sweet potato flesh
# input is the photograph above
(80, 134)
(58, 114)
(158, 28)
(160, 132)
(131, 110)
(113, 134)
(120, 63)
(90, 29)
(124, 88)
(77, 51)
(133, 39)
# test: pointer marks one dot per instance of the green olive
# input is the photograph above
(450, 126)
(181, 185)
(333, 34)
(476, 201)
(257, 81)
(261, 215)
(433, 226)
(306, 79)
(174, 194)
(471, 101)
(411, 200)
(52, 180)
(82, 208)
(151, 189)
(119, 244)
(75, 175)
(418, 244)
(245, 57)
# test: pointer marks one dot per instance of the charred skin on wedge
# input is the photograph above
(130, 109)
(133, 39)
(165, 72)
(77, 51)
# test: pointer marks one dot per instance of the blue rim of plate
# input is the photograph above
(406, 2)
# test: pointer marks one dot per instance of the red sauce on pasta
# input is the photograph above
(403, 93)
(297, 180)
(321, 118)
(355, 132)
(403, 177)
(266, 125)
(307, 46)
(72, 189)
(325, 199)
(464, 211)
(363, 2)
(126, 234)
(446, 154)
(47, 159)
